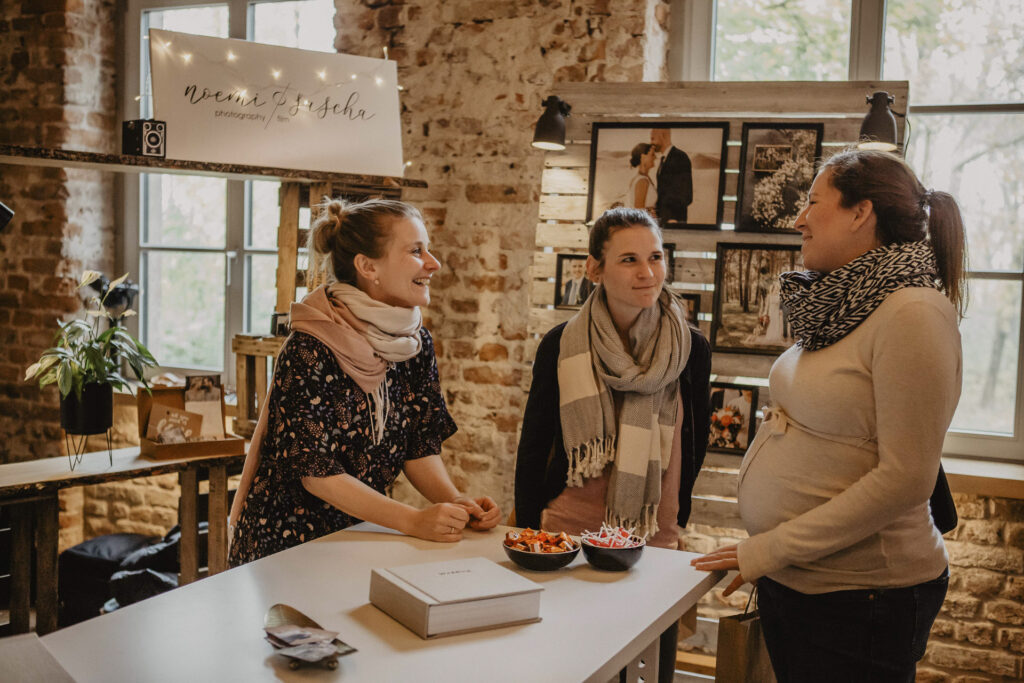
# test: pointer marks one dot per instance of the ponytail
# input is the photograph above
(906, 211)
(946, 235)
(344, 230)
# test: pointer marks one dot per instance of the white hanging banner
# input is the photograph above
(237, 102)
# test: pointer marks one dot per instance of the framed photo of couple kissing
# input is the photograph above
(675, 171)
(748, 315)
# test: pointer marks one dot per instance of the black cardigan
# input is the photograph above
(542, 465)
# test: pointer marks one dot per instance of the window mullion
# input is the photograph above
(867, 31)
(692, 31)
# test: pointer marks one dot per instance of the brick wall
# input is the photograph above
(58, 74)
(474, 75)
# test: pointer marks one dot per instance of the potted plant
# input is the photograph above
(85, 362)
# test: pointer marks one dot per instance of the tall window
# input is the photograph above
(205, 249)
(965, 64)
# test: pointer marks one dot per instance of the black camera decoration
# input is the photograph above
(144, 137)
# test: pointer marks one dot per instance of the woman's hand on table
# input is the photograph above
(483, 511)
(726, 558)
(441, 522)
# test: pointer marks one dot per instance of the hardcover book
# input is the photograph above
(455, 596)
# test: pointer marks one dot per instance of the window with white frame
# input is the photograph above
(965, 135)
(205, 249)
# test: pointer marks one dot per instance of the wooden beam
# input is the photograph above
(127, 163)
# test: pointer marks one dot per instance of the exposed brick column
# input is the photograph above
(57, 69)
(474, 75)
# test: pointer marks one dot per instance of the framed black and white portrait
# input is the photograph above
(777, 166)
(675, 171)
(748, 315)
(572, 287)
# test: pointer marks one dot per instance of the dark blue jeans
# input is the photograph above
(853, 636)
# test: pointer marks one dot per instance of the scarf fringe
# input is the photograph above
(644, 527)
(380, 406)
(589, 459)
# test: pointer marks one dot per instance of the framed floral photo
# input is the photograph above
(777, 166)
(675, 171)
(733, 417)
(571, 284)
(748, 315)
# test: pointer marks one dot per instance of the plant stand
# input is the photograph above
(76, 444)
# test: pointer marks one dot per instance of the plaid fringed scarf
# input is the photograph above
(592, 361)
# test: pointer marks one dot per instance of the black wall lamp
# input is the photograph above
(550, 130)
(879, 128)
(6, 214)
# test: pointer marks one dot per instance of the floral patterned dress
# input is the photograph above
(319, 426)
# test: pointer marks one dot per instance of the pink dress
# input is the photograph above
(578, 509)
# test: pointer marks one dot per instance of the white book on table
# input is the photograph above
(454, 596)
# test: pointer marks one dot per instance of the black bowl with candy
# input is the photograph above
(612, 549)
(540, 551)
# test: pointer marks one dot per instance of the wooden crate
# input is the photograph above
(251, 377)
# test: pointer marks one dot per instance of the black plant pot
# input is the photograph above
(93, 414)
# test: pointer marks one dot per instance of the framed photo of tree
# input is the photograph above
(675, 171)
(777, 166)
(733, 417)
(748, 315)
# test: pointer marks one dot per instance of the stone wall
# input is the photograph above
(57, 68)
(979, 635)
(474, 75)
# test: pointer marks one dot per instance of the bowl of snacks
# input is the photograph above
(540, 551)
(612, 549)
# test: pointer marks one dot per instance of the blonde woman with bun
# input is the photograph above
(355, 398)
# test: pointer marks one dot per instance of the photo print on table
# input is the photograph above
(747, 312)
(777, 166)
(203, 395)
(675, 171)
(572, 287)
(733, 417)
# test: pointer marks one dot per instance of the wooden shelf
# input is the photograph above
(126, 163)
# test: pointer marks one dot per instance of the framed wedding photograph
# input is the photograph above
(571, 284)
(675, 171)
(777, 166)
(670, 261)
(747, 312)
(733, 417)
(691, 306)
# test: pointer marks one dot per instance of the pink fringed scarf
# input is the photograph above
(364, 335)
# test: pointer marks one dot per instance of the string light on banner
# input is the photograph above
(227, 80)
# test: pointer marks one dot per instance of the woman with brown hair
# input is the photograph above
(616, 424)
(834, 491)
(355, 398)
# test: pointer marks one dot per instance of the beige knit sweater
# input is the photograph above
(834, 489)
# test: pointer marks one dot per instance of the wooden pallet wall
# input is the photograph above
(840, 106)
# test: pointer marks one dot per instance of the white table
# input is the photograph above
(593, 624)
